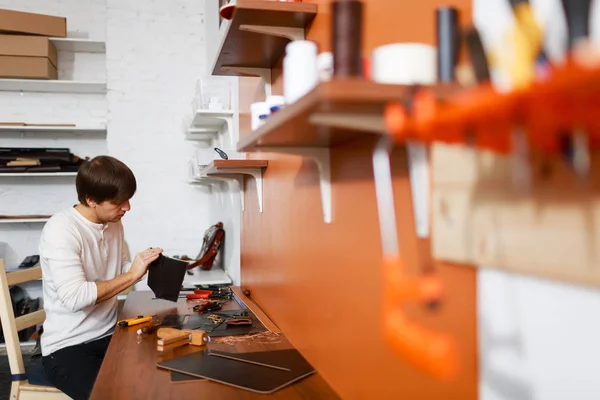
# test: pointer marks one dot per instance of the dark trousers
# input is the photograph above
(74, 369)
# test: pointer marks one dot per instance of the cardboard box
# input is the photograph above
(27, 68)
(32, 24)
(28, 46)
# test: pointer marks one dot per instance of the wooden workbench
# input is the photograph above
(129, 370)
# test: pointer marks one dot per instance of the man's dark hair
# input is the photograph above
(105, 178)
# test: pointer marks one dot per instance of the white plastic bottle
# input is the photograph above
(300, 72)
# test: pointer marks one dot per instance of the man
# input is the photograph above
(84, 266)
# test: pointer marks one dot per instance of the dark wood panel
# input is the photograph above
(248, 49)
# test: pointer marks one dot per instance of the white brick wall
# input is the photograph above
(155, 54)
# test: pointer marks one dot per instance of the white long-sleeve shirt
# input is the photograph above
(74, 254)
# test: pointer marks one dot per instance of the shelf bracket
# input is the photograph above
(264, 73)
(256, 173)
(228, 178)
(321, 157)
(281, 31)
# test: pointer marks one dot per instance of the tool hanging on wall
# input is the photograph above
(431, 352)
(576, 150)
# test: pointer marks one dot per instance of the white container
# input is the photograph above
(325, 66)
(258, 113)
(275, 103)
(300, 73)
(404, 64)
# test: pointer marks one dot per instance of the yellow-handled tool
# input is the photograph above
(140, 319)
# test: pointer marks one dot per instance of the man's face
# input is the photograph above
(110, 212)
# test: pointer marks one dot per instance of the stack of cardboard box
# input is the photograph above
(25, 50)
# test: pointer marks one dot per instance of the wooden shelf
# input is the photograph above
(204, 118)
(227, 166)
(52, 129)
(333, 113)
(51, 86)
(37, 174)
(243, 47)
(79, 45)
(343, 109)
(23, 219)
(202, 134)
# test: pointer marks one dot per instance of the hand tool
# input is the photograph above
(140, 319)
(577, 13)
(202, 296)
(431, 352)
(170, 338)
(238, 321)
(477, 55)
(151, 327)
(209, 306)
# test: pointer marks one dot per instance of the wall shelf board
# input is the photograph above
(226, 166)
(23, 220)
(214, 276)
(205, 118)
(37, 174)
(52, 129)
(201, 134)
(331, 105)
(79, 45)
(52, 86)
(258, 33)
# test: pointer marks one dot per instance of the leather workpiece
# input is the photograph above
(165, 276)
(237, 372)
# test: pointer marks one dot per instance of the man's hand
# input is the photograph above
(141, 262)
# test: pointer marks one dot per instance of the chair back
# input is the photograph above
(11, 325)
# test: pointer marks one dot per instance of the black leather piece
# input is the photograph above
(165, 276)
(241, 374)
(290, 359)
(177, 377)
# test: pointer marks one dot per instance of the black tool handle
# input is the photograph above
(577, 14)
(477, 55)
(448, 43)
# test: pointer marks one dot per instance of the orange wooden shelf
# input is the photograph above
(222, 166)
(243, 47)
(333, 113)
(356, 104)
